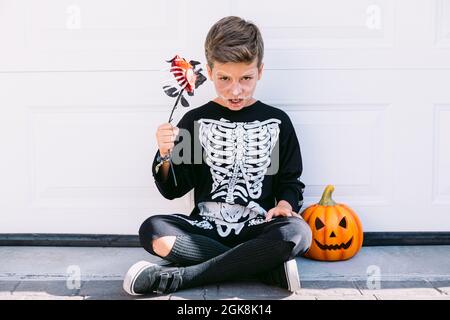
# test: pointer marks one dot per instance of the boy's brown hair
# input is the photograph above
(232, 39)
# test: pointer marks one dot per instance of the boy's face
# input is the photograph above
(235, 83)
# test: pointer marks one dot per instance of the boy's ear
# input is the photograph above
(260, 71)
(209, 72)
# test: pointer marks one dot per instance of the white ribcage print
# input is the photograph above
(238, 154)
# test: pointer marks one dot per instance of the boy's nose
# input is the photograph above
(236, 90)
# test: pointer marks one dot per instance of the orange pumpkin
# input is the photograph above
(336, 229)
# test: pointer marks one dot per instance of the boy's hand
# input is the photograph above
(283, 209)
(165, 137)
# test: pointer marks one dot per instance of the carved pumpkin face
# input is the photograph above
(336, 230)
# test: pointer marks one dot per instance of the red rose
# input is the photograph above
(184, 73)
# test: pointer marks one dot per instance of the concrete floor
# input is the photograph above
(391, 272)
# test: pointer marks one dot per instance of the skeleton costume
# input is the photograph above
(249, 160)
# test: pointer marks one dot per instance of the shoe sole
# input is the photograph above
(132, 274)
(293, 279)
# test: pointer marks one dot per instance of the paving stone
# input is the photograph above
(391, 261)
(347, 297)
(399, 288)
(39, 297)
(186, 297)
(7, 287)
(247, 290)
(442, 286)
(300, 297)
(265, 298)
(42, 288)
(111, 289)
(143, 297)
(189, 294)
(250, 291)
(326, 288)
(411, 297)
(211, 290)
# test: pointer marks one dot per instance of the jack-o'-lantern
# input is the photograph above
(336, 229)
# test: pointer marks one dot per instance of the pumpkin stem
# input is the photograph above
(326, 197)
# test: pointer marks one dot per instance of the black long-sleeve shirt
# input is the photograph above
(235, 157)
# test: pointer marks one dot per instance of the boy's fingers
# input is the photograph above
(168, 144)
(167, 140)
(274, 212)
(170, 138)
(280, 211)
(297, 215)
(285, 212)
(167, 132)
(166, 126)
(269, 215)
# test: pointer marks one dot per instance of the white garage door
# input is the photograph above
(366, 83)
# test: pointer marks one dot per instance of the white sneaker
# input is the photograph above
(284, 276)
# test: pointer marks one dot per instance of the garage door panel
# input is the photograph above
(289, 25)
(442, 24)
(93, 35)
(441, 165)
(93, 157)
(344, 145)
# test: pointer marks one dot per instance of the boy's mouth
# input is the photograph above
(235, 102)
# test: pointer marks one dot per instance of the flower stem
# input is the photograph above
(170, 151)
(175, 105)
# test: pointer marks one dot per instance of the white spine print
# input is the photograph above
(238, 154)
(230, 218)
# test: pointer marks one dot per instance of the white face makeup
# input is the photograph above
(235, 83)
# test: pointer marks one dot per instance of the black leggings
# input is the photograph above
(289, 229)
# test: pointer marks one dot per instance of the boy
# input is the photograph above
(245, 223)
